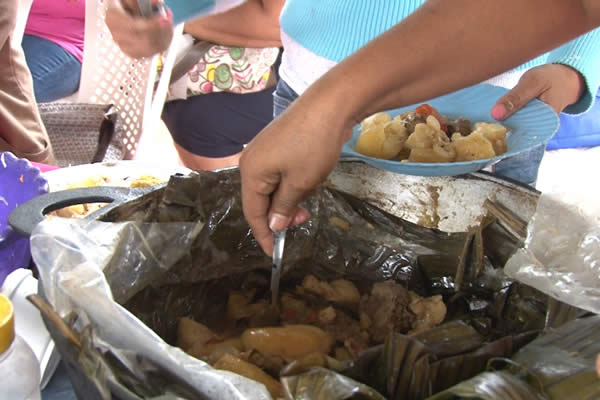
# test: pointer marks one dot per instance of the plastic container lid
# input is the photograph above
(7, 323)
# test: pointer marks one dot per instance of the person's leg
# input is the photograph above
(196, 162)
(21, 129)
(55, 71)
(210, 130)
(522, 167)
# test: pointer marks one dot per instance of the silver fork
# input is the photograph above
(278, 244)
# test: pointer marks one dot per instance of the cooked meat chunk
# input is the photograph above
(411, 119)
(343, 329)
(388, 309)
(460, 125)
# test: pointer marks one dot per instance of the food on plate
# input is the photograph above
(426, 136)
(145, 181)
(317, 322)
(381, 138)
(81, 210)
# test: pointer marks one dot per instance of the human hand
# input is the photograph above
(557, 85)
(135, 35)
(284, 163)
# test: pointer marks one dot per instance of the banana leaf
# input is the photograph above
(560, 364)
(324, 384)
(414, 367)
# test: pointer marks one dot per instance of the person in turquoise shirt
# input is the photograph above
(314, 40)
(296, 152)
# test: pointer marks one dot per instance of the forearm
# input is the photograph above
(444, 46)
(254, 23)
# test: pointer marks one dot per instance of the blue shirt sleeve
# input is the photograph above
(583, 55)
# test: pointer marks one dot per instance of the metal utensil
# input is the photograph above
(148, 8)
(278, 244)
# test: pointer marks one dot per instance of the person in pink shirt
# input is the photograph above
(53, 46)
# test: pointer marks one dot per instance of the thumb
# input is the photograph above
(284, 207)
(528, 88)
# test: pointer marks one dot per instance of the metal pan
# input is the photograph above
(26, 216)
(450, 204)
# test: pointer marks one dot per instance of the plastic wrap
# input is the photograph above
(561, 255)
(71, 256)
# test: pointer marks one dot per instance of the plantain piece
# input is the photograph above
(231, 363)
(191, 333)
(290, 342)
(323, 384)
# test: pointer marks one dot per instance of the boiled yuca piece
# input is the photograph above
(495, 133)
(424, 137)
(440, 152)
(472, 147)
(380, 118)
(382, 141)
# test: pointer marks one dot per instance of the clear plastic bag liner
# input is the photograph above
(71, 256)
(561, 255)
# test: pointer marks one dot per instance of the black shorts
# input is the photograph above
(218, 124)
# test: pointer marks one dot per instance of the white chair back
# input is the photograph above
(110, 77)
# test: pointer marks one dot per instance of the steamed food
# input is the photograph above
(426, 136)
(316, 323)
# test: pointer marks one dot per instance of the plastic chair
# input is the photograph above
(22, 15)
(110, 77)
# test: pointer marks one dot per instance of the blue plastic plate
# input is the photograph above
(533, 125)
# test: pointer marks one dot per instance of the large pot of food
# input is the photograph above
(393, 289)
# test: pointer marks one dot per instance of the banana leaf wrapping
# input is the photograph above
(558, 365)
(178, 251)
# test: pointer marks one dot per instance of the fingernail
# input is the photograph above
(278, 222)
(164, 22)
(499, 111)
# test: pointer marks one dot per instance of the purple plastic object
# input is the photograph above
(19, 182)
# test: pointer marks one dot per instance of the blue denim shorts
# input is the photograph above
(283, 96)
(523, 167)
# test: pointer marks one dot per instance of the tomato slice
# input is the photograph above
(426, 109)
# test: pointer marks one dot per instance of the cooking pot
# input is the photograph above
(450, 204)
